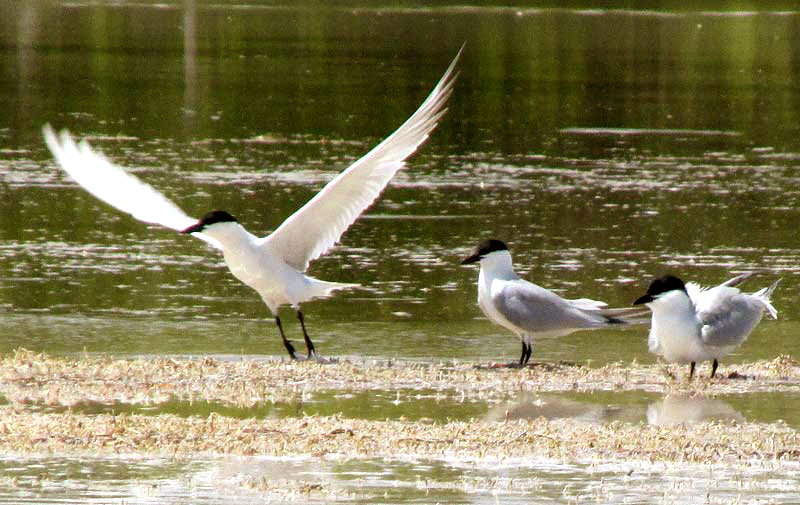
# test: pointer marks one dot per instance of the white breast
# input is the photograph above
(676, 329)
(488, 286)
(268, 274)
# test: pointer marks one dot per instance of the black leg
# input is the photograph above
(309, 345)
(286, 343)
(714, 368)
(526, 354)
(522, 357)
(691, 371)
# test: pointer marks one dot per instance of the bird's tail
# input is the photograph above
(764, 295)
(628, 315)
(321, 289)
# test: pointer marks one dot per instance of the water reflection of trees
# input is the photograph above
(541, 70)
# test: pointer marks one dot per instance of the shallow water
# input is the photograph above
(598, 176)
(233, 480)
(439, 406)
(606, 147)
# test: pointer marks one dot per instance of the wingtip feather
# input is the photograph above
(765, 295)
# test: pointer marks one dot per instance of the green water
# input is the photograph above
(605, 145)
(605, 148)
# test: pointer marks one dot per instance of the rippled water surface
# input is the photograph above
(238, 481)
(606, 147)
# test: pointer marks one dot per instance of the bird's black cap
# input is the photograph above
(487, 246)
(215, 216)
(661, 285)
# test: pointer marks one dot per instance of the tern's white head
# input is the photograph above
(493, 256)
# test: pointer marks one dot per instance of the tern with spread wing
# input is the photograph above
(532, 311)
(274, 265)
(692, 323)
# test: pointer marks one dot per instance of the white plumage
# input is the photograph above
(273, 265)
(529, 310)
(692, 323)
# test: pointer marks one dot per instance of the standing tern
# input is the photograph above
(273, 265)
(532, 311)
(693, 323)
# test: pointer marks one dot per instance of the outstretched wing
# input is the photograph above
(113, 185)
(320, 223)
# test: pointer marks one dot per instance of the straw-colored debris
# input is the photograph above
(29, 380)
(27, 377)
(560, 440)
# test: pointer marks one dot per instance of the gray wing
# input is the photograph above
(538, 310)
(731, 319)
(737, 280)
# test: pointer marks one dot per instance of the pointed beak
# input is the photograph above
(643, 299)
(195, 228)
(471, 259)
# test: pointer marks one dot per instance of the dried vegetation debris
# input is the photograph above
(291, 490)
(28, 377)
(562, 440)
